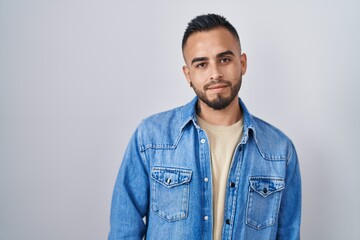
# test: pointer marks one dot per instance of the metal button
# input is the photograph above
(202, 140)
(232, 184)
(168, 181)
(265, 190)
(227, 221)
(206, 179)
(206, 218)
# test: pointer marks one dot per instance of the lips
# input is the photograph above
(217, 86)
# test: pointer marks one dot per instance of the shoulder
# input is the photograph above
(265, 128)
(271, 141)
(161, 130)
(163, 120)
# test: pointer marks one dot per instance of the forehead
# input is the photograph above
(212, 42)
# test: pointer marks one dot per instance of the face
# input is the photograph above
(214, 67)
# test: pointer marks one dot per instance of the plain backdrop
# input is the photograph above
(76, 78)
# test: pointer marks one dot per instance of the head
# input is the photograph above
(208, 22)
(214, 62)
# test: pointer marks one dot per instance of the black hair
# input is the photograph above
(208, 22)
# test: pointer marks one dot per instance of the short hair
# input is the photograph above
(208, 22)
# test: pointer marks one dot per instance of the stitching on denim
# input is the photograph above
(291, 153)
(176, 216)
(277, 198)
(234, 202)
(270, 157)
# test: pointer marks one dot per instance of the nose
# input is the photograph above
(215, 72)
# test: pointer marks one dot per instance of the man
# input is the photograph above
(209, 169)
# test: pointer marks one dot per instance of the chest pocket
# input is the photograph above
(170, 192)
(263, 201)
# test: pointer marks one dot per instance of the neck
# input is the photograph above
(227, 116)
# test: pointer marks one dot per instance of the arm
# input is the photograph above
(290, 208)
(130, 196)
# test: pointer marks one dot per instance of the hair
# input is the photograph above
(208, 22)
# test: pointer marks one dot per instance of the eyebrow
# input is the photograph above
(222, 54)
(198, 59)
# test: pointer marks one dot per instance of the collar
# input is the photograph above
(188, 116)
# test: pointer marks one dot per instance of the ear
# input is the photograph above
(243, 61)
(186, 72)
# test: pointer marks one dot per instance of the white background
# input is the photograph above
(76, 77)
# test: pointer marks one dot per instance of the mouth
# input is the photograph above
(217, 88)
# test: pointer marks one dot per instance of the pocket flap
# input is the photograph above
(171, 177)
(266, 185)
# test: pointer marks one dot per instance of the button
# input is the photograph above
(206, 179)
(232, 184)
(154, 208)
(206, 218)
(265, 190)
(202, 140)
(227, 221)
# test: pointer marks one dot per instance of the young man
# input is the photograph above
(209, 169)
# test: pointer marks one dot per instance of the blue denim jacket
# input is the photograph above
(164, 186)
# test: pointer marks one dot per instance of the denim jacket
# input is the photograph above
(164, 186)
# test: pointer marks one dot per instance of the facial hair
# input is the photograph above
(220, 102)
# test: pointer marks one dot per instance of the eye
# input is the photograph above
(201, 65)
(225, 60)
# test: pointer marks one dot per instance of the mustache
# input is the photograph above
(217, 82)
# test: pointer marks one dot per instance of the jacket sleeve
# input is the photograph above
(130, 197)
(290, 208)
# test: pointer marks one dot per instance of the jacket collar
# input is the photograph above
(189, 116)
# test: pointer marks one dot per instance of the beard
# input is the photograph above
(220, 102)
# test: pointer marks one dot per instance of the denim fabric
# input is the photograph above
(164, 191)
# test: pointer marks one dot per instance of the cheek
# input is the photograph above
(235, 72)
(198, 76)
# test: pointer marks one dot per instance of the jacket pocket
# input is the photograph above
(170, 192)
(263, 201)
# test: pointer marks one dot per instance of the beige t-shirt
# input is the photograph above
(223, 141)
